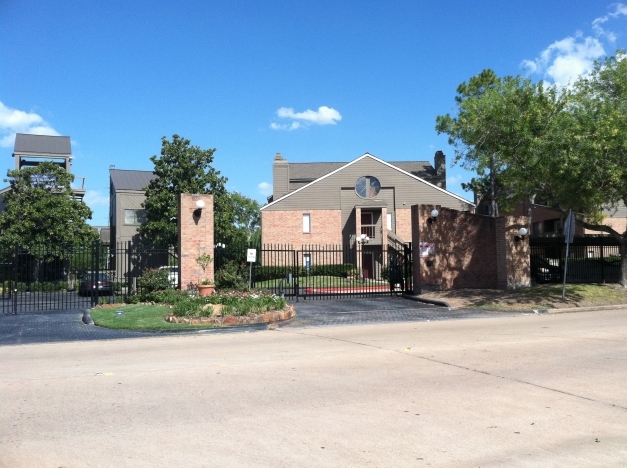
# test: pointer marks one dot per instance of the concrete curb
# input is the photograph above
(427, 301)
(87, 320)
(537, 311)
(586, 309)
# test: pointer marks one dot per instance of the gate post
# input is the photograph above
(95, 274)
(14, 286)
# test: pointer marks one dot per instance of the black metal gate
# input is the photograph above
(333, 272)
(592, 259)
(77, 277)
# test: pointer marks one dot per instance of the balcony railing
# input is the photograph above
(368, 230)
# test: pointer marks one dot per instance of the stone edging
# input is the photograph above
(267, 317)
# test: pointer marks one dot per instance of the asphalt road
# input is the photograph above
(518, 390)
(67, 325)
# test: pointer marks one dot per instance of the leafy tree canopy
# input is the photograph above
(42, 211)
(183, 168)
(247, 214)
(566, 146)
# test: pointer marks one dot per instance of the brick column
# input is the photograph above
(415, 247)
(512, 253)
(195, 237)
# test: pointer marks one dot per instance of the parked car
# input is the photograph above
(543, 271)
(173, 274)
(102, 283)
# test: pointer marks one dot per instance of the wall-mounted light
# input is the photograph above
(434, 216)
(523, 232)
(363, 239)
(200, 204)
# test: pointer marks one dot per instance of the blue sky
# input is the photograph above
(315, 81)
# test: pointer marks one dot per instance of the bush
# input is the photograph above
(154, 280)
(244, 303)
(233, 276)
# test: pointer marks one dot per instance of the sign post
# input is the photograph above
(251, 257)
(569, 235)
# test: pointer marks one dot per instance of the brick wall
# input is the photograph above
(471, 251)
(618, 224)
(195, 237)
(403, 223)
(286, 227)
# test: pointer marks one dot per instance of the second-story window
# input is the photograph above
(134, 217)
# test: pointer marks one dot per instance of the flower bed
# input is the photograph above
(267, 317)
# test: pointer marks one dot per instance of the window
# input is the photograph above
(389, 220)
(306, 222)
(134, 217)
(367, 187)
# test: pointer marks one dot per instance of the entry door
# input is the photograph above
(366, 262)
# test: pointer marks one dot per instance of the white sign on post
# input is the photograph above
(251, 255)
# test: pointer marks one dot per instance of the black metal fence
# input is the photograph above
(324, 272)
(77, 277)
(592, 259)
(81, 277)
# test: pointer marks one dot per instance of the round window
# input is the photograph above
(367, 187)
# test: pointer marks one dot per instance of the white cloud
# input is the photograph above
(96, 197)
(14, 121)
(564, 60)
(454, 179)
(292, 126)
(323, 116)
(619, 10)
(265, 189)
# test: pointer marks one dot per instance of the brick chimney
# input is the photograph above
(280, 177)
(439, 162)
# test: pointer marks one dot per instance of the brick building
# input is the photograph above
(335, 203)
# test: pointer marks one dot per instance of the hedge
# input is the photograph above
(264, 273)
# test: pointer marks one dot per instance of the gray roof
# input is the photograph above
(42, 144)
(303, 173)
(130, 180)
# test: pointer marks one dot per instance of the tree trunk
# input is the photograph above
(623, 257)
(493, 188)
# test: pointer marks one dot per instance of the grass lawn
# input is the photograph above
(138, 317)
(321, 281)
(542, 296)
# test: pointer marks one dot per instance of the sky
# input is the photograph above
(314, 81)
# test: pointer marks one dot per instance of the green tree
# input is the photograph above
(42, 211)
(501, 121)
(183, 168)
(565, 146)
(247, 214)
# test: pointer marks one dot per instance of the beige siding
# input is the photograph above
(130, 200)
(400, 189)
(619, 212)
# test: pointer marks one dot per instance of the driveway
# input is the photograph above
(67, 325)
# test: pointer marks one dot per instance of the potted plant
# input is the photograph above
(205, 286)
